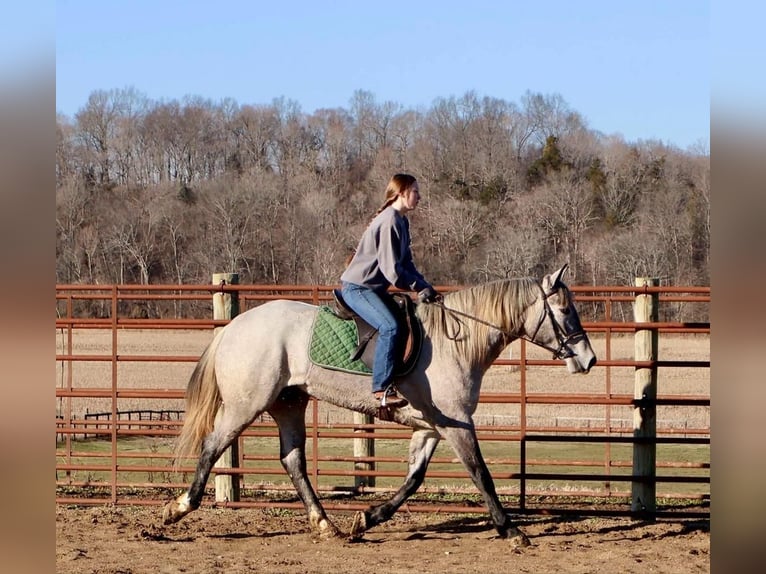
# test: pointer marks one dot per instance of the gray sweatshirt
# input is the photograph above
(384, 257)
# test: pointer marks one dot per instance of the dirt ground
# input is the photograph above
(132, 540)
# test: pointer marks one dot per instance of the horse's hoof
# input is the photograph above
(358, 526)
(331, 534)
(327, 535)
(518, 539)
(170, 513)
(326, 530)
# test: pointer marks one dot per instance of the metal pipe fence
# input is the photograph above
(124, 350)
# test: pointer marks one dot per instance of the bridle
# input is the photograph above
(564, 351)
(564, 339)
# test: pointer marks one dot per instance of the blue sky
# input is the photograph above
(636, 68)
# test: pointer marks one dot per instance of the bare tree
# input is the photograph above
(496, 172)
(455, 230)
(516, 247)
(334, 160)
(255, 129)
(549, 115)
(97, 125)
(626, 179)
(66, 151)
(230, 210)
(449, 124)
(383, 118)
(363, 112)
(297, 143)
(199, 153)
(71, 210)
(171, 191)
(318, 219)
(404, 127)
(160, 137)
(566, 213)
(133, 237)
(638, 252)
(126, 148)
(700, 190)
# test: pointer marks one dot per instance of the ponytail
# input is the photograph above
(397, 185)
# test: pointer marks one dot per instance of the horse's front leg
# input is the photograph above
(422, 447)
(465, 444)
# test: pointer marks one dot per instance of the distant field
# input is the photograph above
(555, 379)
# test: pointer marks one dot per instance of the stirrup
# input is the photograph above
(396, 400)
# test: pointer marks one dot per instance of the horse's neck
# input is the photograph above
(497, 342)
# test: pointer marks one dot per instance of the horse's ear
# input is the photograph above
(550, 281)
(558, 274)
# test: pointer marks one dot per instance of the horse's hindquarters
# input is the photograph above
(263, 350)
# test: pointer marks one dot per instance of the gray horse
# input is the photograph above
(260, 363)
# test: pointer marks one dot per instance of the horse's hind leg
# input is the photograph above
(228, 426)
(422, 447)
(289, 412)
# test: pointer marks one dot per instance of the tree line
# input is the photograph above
(169, 192)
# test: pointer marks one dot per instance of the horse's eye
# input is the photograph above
(566, 310)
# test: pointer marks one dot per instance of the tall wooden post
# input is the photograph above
(645, 392)
(363, 448)
(226, 307)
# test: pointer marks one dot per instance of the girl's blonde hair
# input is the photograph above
(397, 185)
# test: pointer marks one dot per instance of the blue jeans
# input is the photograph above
(373, 308)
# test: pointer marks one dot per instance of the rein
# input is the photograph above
(505, 333)
(562, 352)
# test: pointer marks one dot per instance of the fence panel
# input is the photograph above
(553, 442)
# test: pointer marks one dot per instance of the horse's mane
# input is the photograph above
(501, 303)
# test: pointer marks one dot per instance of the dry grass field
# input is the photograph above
(507, 379)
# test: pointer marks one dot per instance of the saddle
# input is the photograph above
(410, 333)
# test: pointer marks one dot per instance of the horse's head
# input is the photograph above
(552, 322)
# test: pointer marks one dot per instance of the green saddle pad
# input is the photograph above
(333, 341)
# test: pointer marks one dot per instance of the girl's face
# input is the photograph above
(411, 197)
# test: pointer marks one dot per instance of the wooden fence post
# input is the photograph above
(226, 306)
(363, 447)
(645, 392)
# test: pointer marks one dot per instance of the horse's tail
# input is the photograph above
(203, 399)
